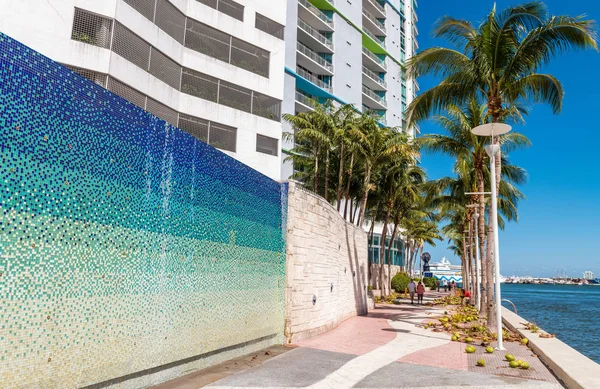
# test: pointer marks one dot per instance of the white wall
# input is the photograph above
(347, 62)
(46, 27)
(327, 259)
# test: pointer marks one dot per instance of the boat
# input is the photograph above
(446, 272)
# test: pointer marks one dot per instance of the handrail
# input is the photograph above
(374, 57)
(371, 18)
(377, 5)
(511, 303)
(375, 77)
(314, 56)
(310, 77)
(314, 33)
(373, 95)
(317, 12)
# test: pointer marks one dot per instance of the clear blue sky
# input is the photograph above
(558, 222)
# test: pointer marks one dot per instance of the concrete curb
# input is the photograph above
(574, 369)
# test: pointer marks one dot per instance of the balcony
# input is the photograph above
(374, 8)
(372, 36)
(371, 22)
(372, 100)
(312, 61)
(373, 62)
(313, 38)
(372, 80)
(314, 16)
(312, 78)
(304, 103)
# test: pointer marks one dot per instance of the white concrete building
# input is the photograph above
(351, 52)
(214, 68)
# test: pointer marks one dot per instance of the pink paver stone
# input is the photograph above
(357, 336)
(449, 356)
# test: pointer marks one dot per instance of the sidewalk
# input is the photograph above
(389, 348)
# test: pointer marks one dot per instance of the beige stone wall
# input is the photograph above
(327, 260)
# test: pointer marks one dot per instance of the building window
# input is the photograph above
(145, 7)
(170, 20)
(228, 7)
(131, 47)
(161, 111)
(98, 78)
(217, 44)
(91, 29)
(269, 26)
(215, 134)
(267, 145)
(127, 92)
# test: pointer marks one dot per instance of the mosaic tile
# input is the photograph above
(125, 243)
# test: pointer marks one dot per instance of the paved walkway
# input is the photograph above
(389, 348)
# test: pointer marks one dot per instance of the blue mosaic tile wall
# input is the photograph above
(125, 243)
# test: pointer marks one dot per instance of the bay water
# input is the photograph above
(571, 312)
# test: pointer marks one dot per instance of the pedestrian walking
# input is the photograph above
(412, 288)
(420, 293)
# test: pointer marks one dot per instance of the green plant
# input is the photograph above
(82, 37)
(370, 288)
(400, 282)
(430, 282)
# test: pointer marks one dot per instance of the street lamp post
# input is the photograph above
(492, 129)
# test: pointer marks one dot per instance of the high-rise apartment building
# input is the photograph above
(350, 52)
(214, 68)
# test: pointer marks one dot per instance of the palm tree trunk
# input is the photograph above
(347, 192)
(316, 177)
(390, 253)
(351, 211)
(406, 255)
(369, 268)
(363, 202)
(326, 194)
(382, 249)
(340, 186)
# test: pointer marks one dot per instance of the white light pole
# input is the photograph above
(492, 150)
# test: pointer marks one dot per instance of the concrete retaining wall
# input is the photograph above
(326, 267)
(574, 369)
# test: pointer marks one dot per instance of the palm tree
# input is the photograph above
(312, 131)
(498, 61)
(463, 145)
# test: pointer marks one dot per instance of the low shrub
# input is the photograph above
(430, 282)
(400, 282)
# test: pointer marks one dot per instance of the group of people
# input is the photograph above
(419, 289)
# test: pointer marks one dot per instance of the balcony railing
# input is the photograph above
(314, 56)
(374, 57)
(372, 18)
(377, 40)
(377, 5)
(373, 95)
(317, 12)
(315, 34)
(304, 99)
(374, 76)
(312, 78)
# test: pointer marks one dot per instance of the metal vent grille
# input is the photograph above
(231, 8)
(145, 7)
(207, 40)
(170, 20)
(200, 85)
(91, 29)
(165, 69)
(267, 145)
(127, 92)
(235, 96)
(194, 126)
(266, 106)
(131, 47)
(249, 57)
(162, 111)
(222, 137)
(269, 26)
(98, 78)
